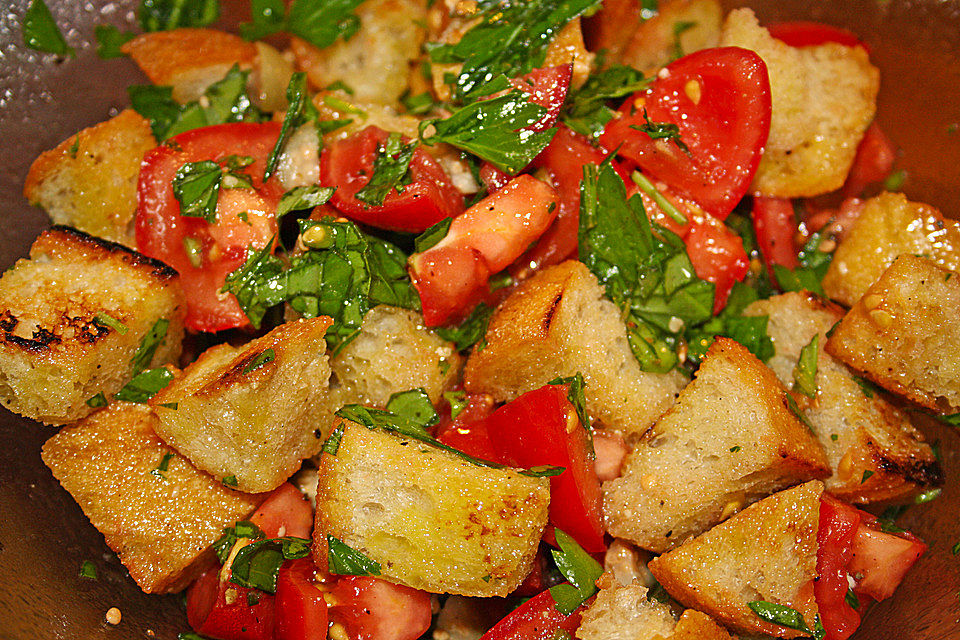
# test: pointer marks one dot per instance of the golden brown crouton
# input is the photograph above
(157, 511)
(624, 612)
(824, 98)
(730, 439)
(73, 316)
(902, 333)
(863, 435)
(89, 181)
(189, 60)
(556, 324)
(568, 47)
(889, 226)
(657, 41)
(249, 415)
(374, 62)
(767, 552)
(431, 519)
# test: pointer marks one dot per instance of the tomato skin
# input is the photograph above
(873, 162)
(775, 227)
(883, 559)
(718, 256)
(547, 87)
(347, 164)
(807, 34)
(209, 614)
(301, 611)
(452, 275)
(161, 230)
(720, 101)
(468, 431)
(838, 526)
(534, 430)
(535, 619)
(374, 609)
(285, 509)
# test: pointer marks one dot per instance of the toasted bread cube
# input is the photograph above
(393, 352)
(824, 98)
(889, 226)
(859, 429)
(567, 47)
(431, 519)
(189, 60)
(902, 333)
(767, 552)
(655, 41)
(556, 324)
(375, 62)
(156, 510)
(730, 439)
(624, 612)
(73, 316)
(251, 414)
(89, 181)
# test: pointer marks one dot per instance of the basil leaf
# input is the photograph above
(470, 331)
(268, 19)
(164, 15)
(586, 110)
(389, 280)
(262, 358)
(795, 410)
(780, 615)
(88, 570)
(391, 171)
(457, 401)
(196, 186)
(579, 568)
(97, 401)
(343, 560)
(299, 111)
(110, 39)
(809, 275)
(332, 445)
(257, 565)
(163, 466)
(387, 420)
(432, 236)
(805, 373)
(40, 31)
(321, 22)
(750, 331)
(106, 320)
(576, 397)
(149, 345)
(306, 197)
(145, 385)
(414, 405)
(662, 131)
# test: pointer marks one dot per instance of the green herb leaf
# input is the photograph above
(196, 187)
(586, 110)
(145, 385)
(391, 168)
(662, 131)
(805, 373)
(952, 419)
(852, 599)
(110, 39)
(866, 476)
(432, 236)
(149, 345)
(780, 615)
(750, 331)
(389, 280)
(163, 466)
(579, 568)
(576, 397)
(809, 275)
(299, 111)
(164, 15)
(735, 449)
(40, 31)
(418, 104)
(865, 386)
(343, 560)
(795, 410)
(97, 401)
(470, 331)
(927, 496)
(458, 402)
(322, 22)
(257, 565)
(262, 358)
(190, 635)
(241, 529)
(414, 405)
(230, 481)
(679, 28)
(268, 19)
(332, 445)
(300, 198)
(106, 320)
(88, 570)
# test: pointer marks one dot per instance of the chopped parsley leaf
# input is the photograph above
(88, 570)
(145, 385)
(662, 131)
(40, 31)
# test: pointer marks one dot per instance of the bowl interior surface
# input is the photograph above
(45, 537)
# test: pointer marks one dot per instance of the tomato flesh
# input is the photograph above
(717, 256)
(535, 619)
(873, 162)
(775, 227)
(301, 611)
(547, 87)
(374, 609)
(719, 99)
(541, 428)
(883, 559)
(245, 217)
(284, 513)
(468, 431)
(221, 610)
(807, 34)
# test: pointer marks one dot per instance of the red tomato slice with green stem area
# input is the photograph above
(203, 253)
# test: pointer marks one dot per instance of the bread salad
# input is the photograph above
(509, 319)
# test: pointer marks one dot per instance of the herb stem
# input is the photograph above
(665, 205)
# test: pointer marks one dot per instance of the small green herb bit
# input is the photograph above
(149, 345)
(164, 15)
(97, 401)
(110, 40)
(106, 320)
(391, 170)
(414, 405)
(145, 385)
(344, 560)
(88, 570)
(262, 358)
(40, 31)
(579, 568)
(662, 131)
(780, 615)
(805, 373)
(196, 187)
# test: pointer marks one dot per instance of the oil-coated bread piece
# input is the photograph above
(766, 552)
(89, 181)
(824, 98)
(624, 612)
(730, 439)
(375, 62)
(859, 429)
(393, 352)
(156, 510)
(431, 519)
(690, 25)
(189, 60)
(889, 226)
(903, 333)
(251, 414)
(73, 316)
(556, 324)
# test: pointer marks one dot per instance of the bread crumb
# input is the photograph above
(113, 616)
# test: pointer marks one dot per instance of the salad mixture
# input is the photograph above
(488, 318)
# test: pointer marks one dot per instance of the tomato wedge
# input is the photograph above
(284, 513)
(719, 99)
(468, 431)
(775, 227)
(718, 256)
(873, 162)
(535, 619)
(838, 526)
(204, 254)
(430, 197)
(451, 277)
(807, 34)
(221, 610)
(374, 609)
(301, 611)
(883, 559)
(547, 87)
(541, 428)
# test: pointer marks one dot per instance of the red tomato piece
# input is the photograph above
(374, 609)
(285, 509)
(720, 101)
(808, 34)
(452, 275)
(547, 87)
(775, 227)
(301, 610)
(468, 431)
(541, 428)
(838, 525)
(430, 197)
(873, 162)
(245, 217)
(883, 559)
(535, 619)
(717, 255)
(221, 610)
